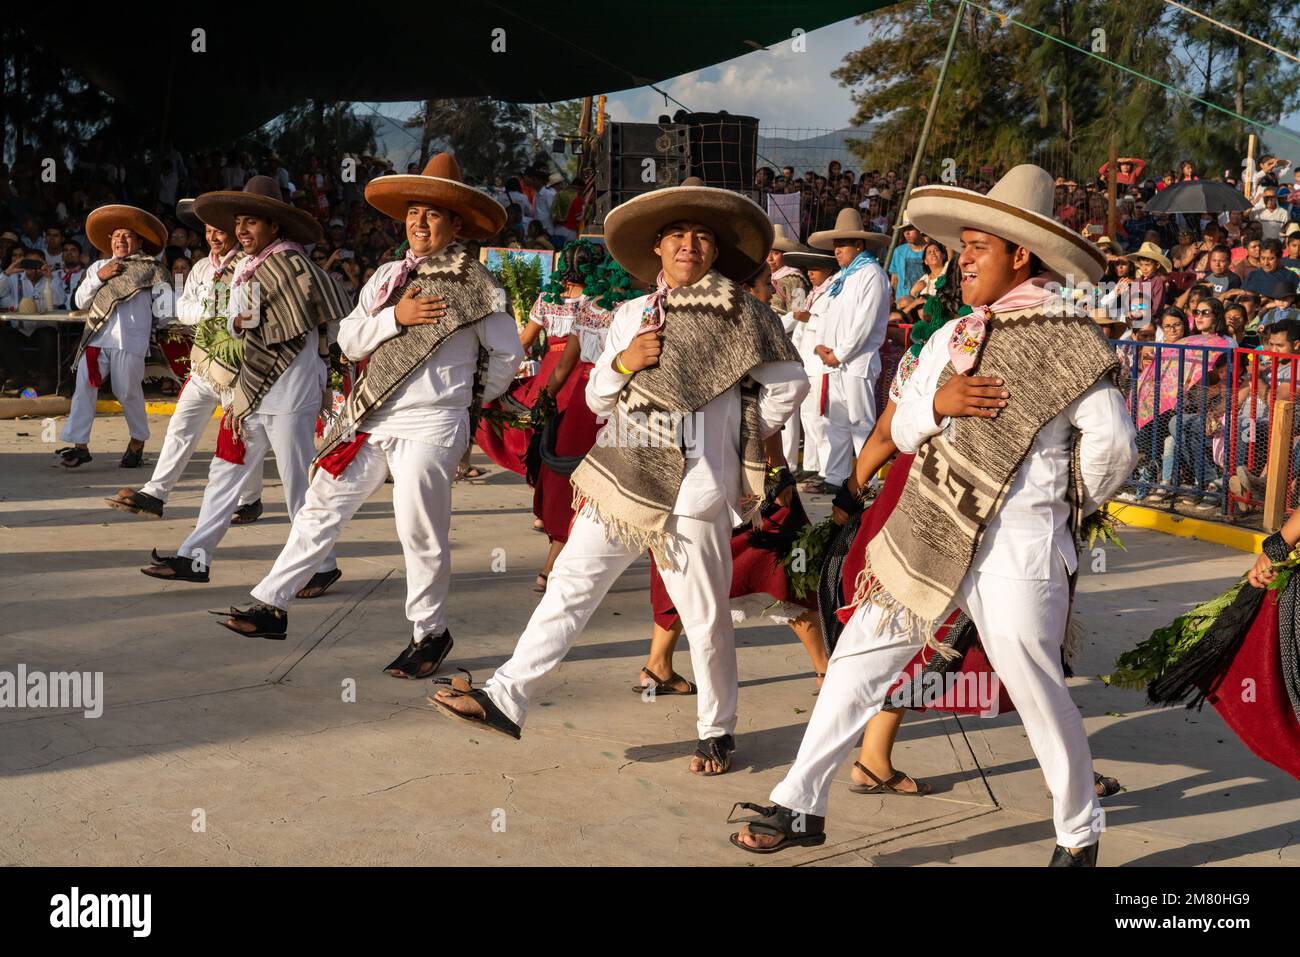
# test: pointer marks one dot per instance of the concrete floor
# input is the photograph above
(217, 750)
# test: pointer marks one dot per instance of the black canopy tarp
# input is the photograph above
(261, 58)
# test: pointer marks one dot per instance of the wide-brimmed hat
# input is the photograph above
(848, 225)
(439, 185)
(185, 213)
(812, 259)
(1151, 251)
(553, 179)
(1018, 209)
(743, 231)
(260, 197)
(783, 241)
(101, 224)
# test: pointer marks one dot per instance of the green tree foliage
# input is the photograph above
(1012, 95)
(487, 135)
(321, 129)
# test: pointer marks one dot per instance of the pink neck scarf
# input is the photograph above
(396, 278)
(248, 268)
(652, 316)
(817, 291)
(968, 336)
(783, 272)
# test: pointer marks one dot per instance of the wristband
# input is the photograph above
(618, 365)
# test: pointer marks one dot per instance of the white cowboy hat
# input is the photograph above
(743, 231)
(848, 225)
(1018, 209)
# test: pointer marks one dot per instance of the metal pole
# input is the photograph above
(925, 130)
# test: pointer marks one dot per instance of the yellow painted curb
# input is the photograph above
(1220, 533)
(155, 407)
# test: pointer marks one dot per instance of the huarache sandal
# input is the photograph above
(470, 472)
(421, 658)
(459, 687)
(773, 820)
(671, 685)
(267, 621)
(540, 585)
(319, 583)
(539, 526)
(132, 458)
(247, 514)
(890, 786)
(717, 750)
(74, 457)
(181, 568)
(1106, 787)
(138, 503)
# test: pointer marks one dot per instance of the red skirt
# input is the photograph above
(974, 662)
(1262, 718)
(575, 434)
(754, 571)
(508, 447)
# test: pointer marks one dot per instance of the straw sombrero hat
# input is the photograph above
(185, 213)
(848, 225)
(439, 185)
(743, 231)
(102, 222)
(810, 259)
(1151, 251)
(1018, 209)
(260, 197)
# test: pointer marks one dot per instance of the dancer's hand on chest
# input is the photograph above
(416, 310)
(970, 395)
(643, 351)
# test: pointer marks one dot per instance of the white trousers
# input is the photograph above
(850, 417)
(292, 437)
(422, 477)
(587, 568)
(125, 374)
(1021, 625)
(816, 450)
(790, 434)
(194, 408)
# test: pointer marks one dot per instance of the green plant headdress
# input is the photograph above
(576, 264)
(945, 304)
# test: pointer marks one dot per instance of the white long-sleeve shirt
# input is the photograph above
(432, 404)
(131, 322)
(1034, 516)
(855, 322)
(712, 477)
(198, 286)
(17, 287)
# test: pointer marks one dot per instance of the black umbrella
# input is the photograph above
(1198, 196)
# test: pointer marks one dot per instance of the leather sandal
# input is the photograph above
(663, 686)
(267, 621)
(137, 503)
(132, 458)
(319, 584)
(717, 750)
(890, 786)
(794, 829)
(492, 716)
(182, 568)
(73, 457)
(422, 658)
(1087, 857)
(247, 514)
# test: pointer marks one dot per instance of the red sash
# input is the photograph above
(337, 461)
(93, 375)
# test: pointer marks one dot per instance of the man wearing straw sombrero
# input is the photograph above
(280, 305)
(1019, 431)
(806, 332)
(117, 295)
(433, 340)
(856, 320)
(694, 377)
(789, 285)
(214, 361)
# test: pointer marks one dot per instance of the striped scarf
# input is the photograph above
(714, 333)
(960, 478)
(471, 295)
(296, 297)
(142, 274)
